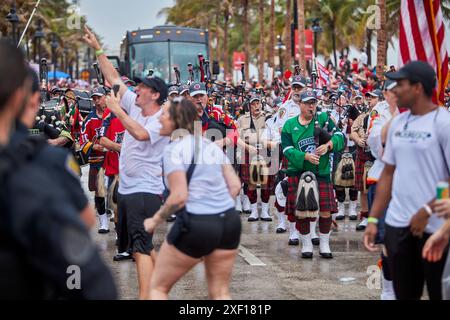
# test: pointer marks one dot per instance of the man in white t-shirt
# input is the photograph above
(140, 183)
(416, 157)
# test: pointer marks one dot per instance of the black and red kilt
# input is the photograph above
(327, 198)
(361, 158)
(245, 174)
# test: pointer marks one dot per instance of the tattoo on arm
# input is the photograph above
(167, 210)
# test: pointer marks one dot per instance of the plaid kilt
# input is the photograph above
(361, 158)
(92, 179)
(327, 198)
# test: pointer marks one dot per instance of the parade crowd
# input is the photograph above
(208, 155)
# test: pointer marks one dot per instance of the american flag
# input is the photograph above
(422, 37)
(323, 75)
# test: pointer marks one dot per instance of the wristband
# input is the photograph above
(99, 52)
(372, 220)
(428, 209)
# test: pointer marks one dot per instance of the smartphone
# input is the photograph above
(116, 88)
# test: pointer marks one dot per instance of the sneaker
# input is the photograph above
(246, 205)
(352, 215)
(281, 228)
(254, 215)
(307, 246)
(122, 256)
(362, 225)
(172, 218)
(293, 235)
(325, 251)
(265, 212)
(341, 211)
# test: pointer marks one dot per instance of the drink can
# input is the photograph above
(442, 190)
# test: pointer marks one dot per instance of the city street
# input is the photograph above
(267, 268)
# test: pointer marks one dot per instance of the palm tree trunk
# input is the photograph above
(261, 41)
(381, 39)
(226, 59)
(301, 33)
(288, 36)
(272, 34)
(333, 37)
(369, 46)
(246, 39)
(218, 48)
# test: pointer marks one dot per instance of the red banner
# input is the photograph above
(309, 45)
(238, 59)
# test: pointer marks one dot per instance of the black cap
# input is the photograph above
(98, 91)
(416, 71)
(299, 80)
(255, 97)
(173, 89)
(377, 93)
(158, 85)
(197, 88)
(389, 84)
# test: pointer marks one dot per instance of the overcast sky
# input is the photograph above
(112, 18)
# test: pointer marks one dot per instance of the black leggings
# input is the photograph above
(198, 235)
(409, 270)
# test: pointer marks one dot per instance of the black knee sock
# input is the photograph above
(100, 205)
(385, 267)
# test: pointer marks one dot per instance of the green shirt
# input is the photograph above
(297, 140)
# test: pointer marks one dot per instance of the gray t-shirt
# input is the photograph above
(208, 191)
(140, 163)
(413, 147)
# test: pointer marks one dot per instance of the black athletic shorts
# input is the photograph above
(137, 207)
(198, 235)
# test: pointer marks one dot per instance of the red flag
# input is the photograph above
(422, 37)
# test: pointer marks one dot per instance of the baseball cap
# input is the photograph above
(389, 84)
(308, 96)
(98, 91)
(173, 89)
(415, 71)
(278, 102)
(299, 80)
(377, 93)
(358, 95)
(127, 80)
(183, 88)
(197, 88)
(255, 97)
(158, 85)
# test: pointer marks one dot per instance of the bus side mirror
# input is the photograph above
(216, 68)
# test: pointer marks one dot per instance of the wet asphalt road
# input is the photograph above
(267, 267)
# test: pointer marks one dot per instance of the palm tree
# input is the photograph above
(245, 23)
(261, 41)
(272, 34)
(381, 38)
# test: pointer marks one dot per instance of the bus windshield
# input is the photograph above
(155, 56)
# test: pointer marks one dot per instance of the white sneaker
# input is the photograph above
(388, 290)
(265, 212)
(362, 226)
(281, 228)
(245, 204)
(254, 215)
(103, 223)
(352, 210)
(307, 246)
(294, 235)
(325, 251)
(341, 211)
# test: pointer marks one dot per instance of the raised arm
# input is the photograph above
(107, 68)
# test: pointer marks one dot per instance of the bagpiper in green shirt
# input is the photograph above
(297, 140)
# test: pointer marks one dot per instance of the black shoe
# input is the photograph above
(252, 219)
(326, 255)
(247, 211)
(360, 228)
(281, 230)
(103, 231)
(121, 257)
(340, 218)
(266, 219)
(117, 242)
(172, 218)
(307, 255)
(294, 242)
(353, 218)
(315, 241)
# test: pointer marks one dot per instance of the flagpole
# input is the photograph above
(28, 23)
